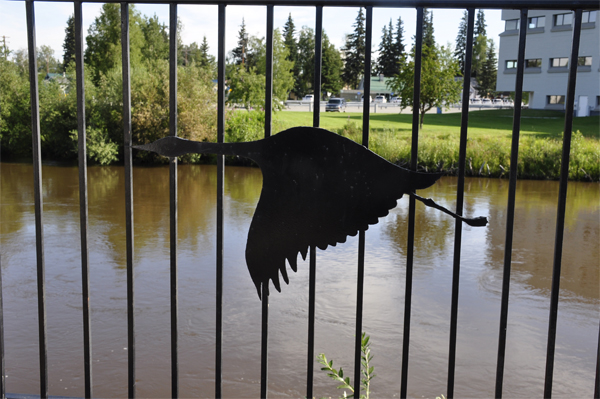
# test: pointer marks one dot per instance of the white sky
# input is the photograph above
(201, 20)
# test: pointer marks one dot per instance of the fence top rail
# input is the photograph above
(479, 4)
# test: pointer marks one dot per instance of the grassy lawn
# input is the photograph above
(539, 123)
(488, 148)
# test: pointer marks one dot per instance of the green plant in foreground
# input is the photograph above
(366, 370)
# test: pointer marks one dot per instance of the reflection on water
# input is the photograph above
(481, 274)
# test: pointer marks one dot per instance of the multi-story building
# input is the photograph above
(547, 52)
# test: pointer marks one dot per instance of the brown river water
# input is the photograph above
(479, 306)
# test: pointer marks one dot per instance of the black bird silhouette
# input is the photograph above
(318, 188)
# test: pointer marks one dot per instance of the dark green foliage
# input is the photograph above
(69, 43)
(291, 45)
(480, 26)
(103, 51)
(399, 48)
(331, 80)
(460, 47)
(387, 60)
(306, 62)
(241, 55)
(428, 36)
(156, 40)
(487, 76)
(354, 51)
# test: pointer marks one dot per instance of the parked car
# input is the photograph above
(335, 105)
(380, 99)
(475, 101)
(486, 101)
(396, 100)
(309, 98)
(363, 99)
(497, 101)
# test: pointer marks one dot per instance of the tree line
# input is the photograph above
(293, 72)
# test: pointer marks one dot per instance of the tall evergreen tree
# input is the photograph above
(240, 53)
(480, 26)
(386, 61)
(460, 48)
(306, 62)
(103, 50)
(205, 60)
(399, 48)
(69, 43)
(428, 37)
(289, 40)
(331, 80)
(156, 39)
(489, 71)
(354, 51)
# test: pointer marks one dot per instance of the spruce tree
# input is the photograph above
(399, 48)
(460, 47)
(428, 38)
(69, 43)
(290, 43)
(306, 62)
(480, 27)
(240, 53)
(354, 51)
(489, 70)
(205, 60)
(386, 62)
(331, 81)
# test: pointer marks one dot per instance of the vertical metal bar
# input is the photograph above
(460, 193)
(311, 322)
(318, 66)
(2, 365)
(265, 287)
(597, 381)
(269, 73)
(173, 197)
(264, 340)
(360, 281)
(83, 199)
(37, 177)
(411, 204)
(128, 196)
(367, 76)
(512, 185)
(313, 252)
(562, 201)
(220, 192)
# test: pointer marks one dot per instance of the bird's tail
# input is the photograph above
(419, 181)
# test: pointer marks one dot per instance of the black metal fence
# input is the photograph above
(470, 5)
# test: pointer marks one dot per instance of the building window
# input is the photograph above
(533, 63)
(563, 19)
(536, 22)
(584, 61)
(559, 62)
(511, 24)
(588, 17)
(555, 100)
(511, 64)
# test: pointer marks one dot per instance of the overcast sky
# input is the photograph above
(201, 20)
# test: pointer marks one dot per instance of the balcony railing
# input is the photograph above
(470, 6)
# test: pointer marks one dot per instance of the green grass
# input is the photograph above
(488, 149)
(498, 123)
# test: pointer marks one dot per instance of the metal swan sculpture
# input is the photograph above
(318, 188)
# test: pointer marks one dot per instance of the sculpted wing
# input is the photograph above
(318, 189)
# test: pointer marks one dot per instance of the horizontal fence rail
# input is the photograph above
(318, 5)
